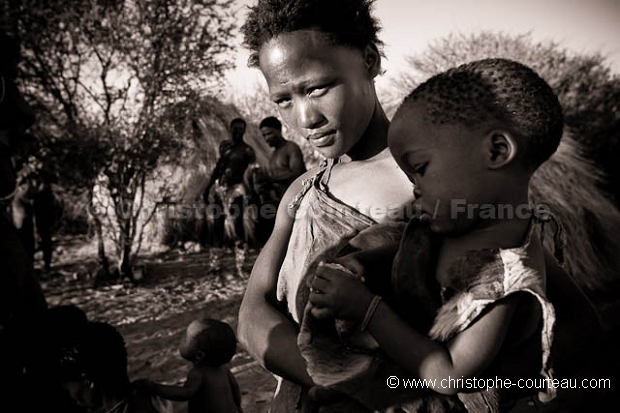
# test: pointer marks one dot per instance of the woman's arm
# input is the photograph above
(465, 356)
(267, 334)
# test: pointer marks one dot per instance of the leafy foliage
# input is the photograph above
(101, 76)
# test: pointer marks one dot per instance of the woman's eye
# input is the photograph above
(283, 103)
(317, 91)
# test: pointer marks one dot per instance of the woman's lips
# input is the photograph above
(322, 139)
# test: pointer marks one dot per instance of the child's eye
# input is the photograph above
(420, 168)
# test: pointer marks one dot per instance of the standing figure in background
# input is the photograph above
(22, 212)
(285, 165)
(286, 162)
(44, 215)
(227, 188)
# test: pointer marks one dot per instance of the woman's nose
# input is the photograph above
(308, 116)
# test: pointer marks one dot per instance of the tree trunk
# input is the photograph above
(124, 263)
(125, 258)
(104, 263)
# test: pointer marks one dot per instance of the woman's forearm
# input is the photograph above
(271, 339)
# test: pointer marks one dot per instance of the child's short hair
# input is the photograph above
(99, 354)
(271, 122)
(345, 22)
(217, 340)
(496, 89)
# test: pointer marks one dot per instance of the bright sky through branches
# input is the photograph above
(581, 26)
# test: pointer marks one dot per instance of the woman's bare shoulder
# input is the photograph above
(297, 185)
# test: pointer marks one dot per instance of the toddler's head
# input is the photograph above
(208, 341)
(470, 138)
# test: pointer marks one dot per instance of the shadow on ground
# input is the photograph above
(177, 287)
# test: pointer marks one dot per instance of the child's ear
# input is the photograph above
(372, 60)
(501, 148)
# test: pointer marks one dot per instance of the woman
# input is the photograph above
(320, 59)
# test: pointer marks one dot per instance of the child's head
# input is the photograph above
(319, 58)
(208, 341)
(473, 136)
(94, 365)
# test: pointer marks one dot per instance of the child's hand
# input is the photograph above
(334, 293)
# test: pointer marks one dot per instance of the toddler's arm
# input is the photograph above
(468, 354)
(235, 389)
(180, 393)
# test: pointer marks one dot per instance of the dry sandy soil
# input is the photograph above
(177, 286)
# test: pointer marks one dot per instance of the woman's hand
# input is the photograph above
(352, 263)
(336, 293)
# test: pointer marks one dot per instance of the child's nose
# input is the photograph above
(416, 192)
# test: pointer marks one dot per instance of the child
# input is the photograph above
(469, 139)
(210, 387)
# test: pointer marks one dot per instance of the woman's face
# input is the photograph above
(324, 91)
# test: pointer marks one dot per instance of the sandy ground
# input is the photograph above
(177, 287)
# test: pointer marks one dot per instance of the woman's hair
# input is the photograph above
(217, 340)
(344, 22)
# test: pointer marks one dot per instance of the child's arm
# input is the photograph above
(180, 393)
(465, 356)
(235, 389)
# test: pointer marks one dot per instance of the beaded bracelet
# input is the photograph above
(372, 307)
